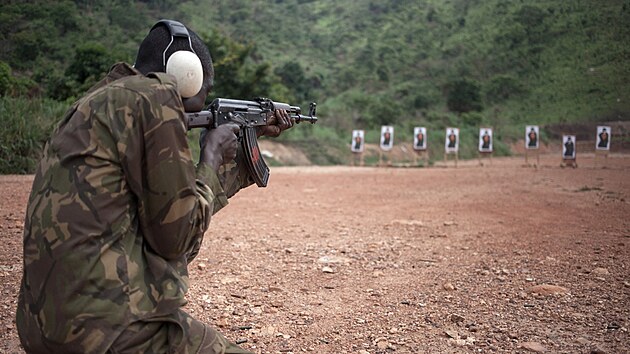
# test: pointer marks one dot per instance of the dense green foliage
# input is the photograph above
(466, 63)
(22, 135)
(394, 61)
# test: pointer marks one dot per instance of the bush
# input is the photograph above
(5, 78)
(26, 124)
(503, 87)
(464, 96)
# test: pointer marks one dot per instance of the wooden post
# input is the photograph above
(384, 155)
(527, 157)
(599, 154)
(569, 163)
(357, 156)
(535, 151)
(454, 153)
(425, 157)
(484, 154)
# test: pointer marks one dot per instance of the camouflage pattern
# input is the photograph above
(155, 335)
(116, 212)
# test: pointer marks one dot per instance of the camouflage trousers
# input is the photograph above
(178, 333)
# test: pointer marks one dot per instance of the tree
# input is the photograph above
(464, 96)
(90, 63)
(293, 77)
(503, 87)
(238, 74)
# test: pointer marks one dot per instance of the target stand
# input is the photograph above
(601, 155)
(384, 155)
(446, 158)
(569, 163)
(484, 155)
(357, 159)
(423, 155)
(535, 153)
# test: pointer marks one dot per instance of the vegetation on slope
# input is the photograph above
(406, 63)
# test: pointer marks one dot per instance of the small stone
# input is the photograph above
(285, 336)
(533, 347)
(451, 334)
(381, 343)
(457, 318)
(222, 322)
(600, 271)
(328, 270)
(457, 342)
(448, 287)
(268, 331)
(613, 326)
(547, 289)
(583, 341)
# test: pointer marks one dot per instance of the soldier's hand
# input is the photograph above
(218, 146)
(277, 122)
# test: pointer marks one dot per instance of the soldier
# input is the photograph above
(118, 208)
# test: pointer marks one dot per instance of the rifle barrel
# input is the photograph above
(302, 118)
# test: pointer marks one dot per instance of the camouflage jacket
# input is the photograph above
(116, 212)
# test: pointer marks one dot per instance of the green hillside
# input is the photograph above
(544, 61)
(435, 63)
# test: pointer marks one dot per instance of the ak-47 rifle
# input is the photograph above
(248, 115)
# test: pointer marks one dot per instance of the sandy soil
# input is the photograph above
(495, 258)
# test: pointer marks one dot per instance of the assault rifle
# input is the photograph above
(248, 115)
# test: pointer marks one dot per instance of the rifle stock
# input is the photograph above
(248, 115)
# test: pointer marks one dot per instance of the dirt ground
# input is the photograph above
(496, 258)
